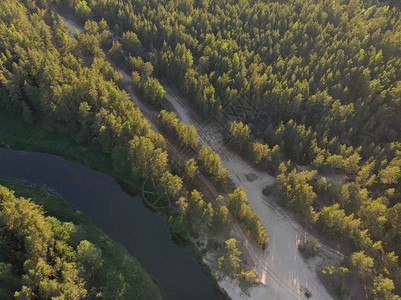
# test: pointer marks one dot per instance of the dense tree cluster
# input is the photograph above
(50, 250)
(351, 216)
(295, 191)
(211, 163)
(237, 203)
(202, 214)
(148, 86)
(215, 215)
(42, 251)
(186, 135)
(261, 155)
(44, 78)
(291, 59)
(323, 77)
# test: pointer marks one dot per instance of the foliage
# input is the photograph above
(79, 93)
(309, 248)
(190, 169)
(221, 218)
(106, 266)
(361, 264)
(211, 163)
(10, 281)
(186, 135)
(335, 275)
(229, 263)
(295, 191)
(322, 78)
(237, 203)
(383, 288)
(247, 279)
(177, 224)
(240, 135)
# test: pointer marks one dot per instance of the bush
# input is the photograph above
(334, 277)
(212, 245)
(310, 248)
(177, 224)
(194, 235)
(247, 279)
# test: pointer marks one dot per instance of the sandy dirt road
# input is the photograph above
(281, 268)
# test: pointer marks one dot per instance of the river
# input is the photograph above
(122, 216)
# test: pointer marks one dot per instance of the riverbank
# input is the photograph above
(121, 273)
(19, 135)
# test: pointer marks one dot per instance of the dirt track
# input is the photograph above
(281, 268)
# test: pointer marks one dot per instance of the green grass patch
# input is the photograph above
(15, 133)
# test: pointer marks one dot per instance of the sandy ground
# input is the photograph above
(282, 270)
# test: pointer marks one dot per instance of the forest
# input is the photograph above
(46, 258)
(68, 83)
(322, 78)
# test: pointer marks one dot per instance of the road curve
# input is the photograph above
(282, 269)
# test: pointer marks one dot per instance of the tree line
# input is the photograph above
(186, 135)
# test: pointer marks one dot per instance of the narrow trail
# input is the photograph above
(282, 270)
(149, 114)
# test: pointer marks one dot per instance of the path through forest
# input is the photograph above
(281, 266)
(282, 270)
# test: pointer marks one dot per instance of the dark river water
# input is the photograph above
(122, 216)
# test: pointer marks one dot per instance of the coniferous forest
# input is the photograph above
(48, 255)
(309, 91)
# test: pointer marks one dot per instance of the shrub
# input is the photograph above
(310, 248)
